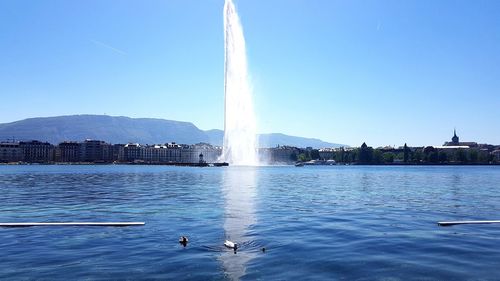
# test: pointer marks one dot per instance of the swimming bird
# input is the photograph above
(183, 240)
(231, 245)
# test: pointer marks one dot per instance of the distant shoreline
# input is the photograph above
(407, 164)
(226, 164)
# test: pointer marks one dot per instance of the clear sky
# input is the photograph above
(384, 72)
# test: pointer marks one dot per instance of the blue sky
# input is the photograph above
(384, 72)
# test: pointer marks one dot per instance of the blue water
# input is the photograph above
(316, 223)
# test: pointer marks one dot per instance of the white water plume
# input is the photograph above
(240, 141)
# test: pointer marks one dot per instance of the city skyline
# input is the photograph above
(382, 72)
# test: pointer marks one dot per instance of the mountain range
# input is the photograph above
(125, 129)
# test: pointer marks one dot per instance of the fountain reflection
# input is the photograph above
(239, 190)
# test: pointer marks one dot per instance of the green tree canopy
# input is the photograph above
(460, 155)
(365, 154)
(388, 157)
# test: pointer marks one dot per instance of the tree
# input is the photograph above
(339, 156)
(443, 157)
(303, 157)
(365, 154)
(406, 153)
(400, 156)
(473, 155)
(315, 154)
(377, 157)
(388, 157)
(460, 155)
(353, 155)
(484, 157)
(417, 156)
(433, 157)
(293, 156)
(428, 153)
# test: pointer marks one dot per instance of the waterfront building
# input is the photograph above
(392, 149)
(211, 153)
(326, 154)
(68, 151)
(280, 154)
(455, 141)
(169, 153)
(107, 153)
(188, 154)
(173, 152)
(451, 147)
(155, 154)
(95, 151)
(131, 152)
(37, 151)
(162, 154)
(10, 152)
(116, 151)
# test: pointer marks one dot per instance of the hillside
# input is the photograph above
(272, 140)
(124, 129)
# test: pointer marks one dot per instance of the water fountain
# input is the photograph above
(240, 146)
(240, 142)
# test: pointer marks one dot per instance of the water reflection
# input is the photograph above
(239, 190)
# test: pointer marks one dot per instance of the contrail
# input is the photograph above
(108, 47)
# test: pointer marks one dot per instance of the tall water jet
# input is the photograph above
(240, 141)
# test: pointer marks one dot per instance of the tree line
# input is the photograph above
(428, 155)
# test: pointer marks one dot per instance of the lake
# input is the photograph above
(316, 223)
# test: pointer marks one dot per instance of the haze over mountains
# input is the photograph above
(124, 130)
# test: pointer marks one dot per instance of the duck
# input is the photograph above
(231, 245)
(183, 240)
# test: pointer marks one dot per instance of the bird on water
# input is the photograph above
(183, 240)
(231, 245)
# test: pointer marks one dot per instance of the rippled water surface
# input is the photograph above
(316, 223)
